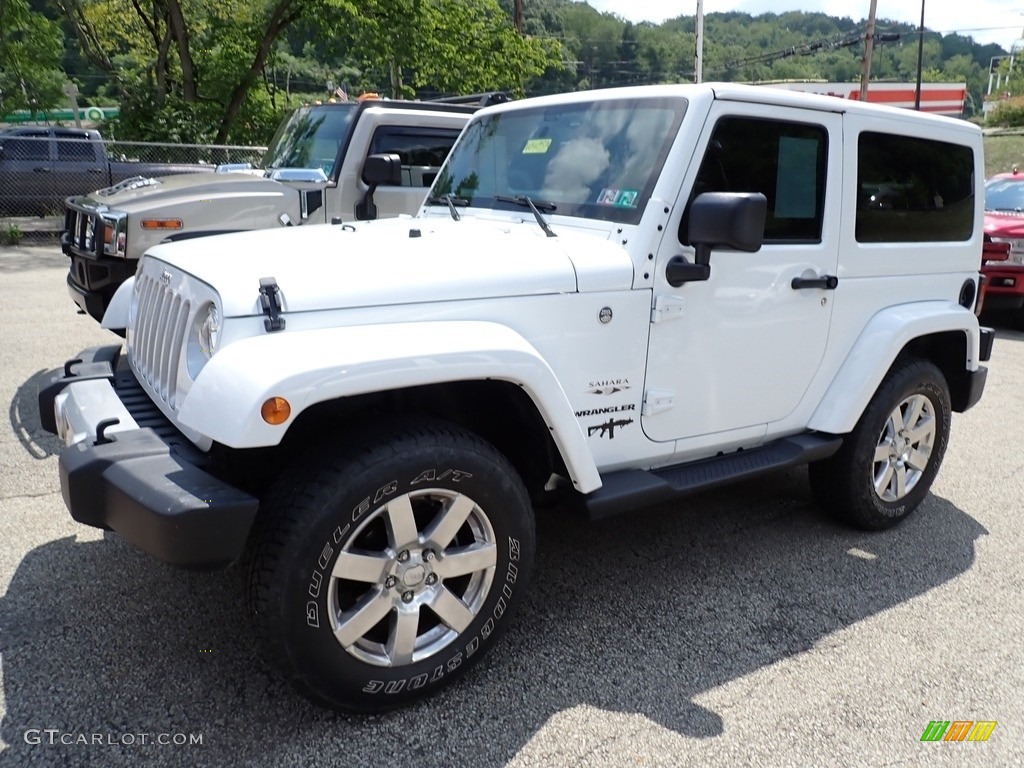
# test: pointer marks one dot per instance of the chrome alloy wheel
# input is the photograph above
(412, 577)
(904, 448)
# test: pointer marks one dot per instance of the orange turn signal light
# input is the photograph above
(161, 224)
(276, 411)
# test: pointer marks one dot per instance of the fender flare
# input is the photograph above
(116, 315)
(309, 367)
(880, 342)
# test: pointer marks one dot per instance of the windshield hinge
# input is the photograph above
(667, 308)
(270, 299)
(657, 401)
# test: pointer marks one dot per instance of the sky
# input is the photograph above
(987, 21)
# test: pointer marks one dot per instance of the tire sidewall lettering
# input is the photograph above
(375, 686)
(384, 681)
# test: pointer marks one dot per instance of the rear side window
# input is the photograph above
(783, 161)
(423, 150)
(913, 190)
(26, 148)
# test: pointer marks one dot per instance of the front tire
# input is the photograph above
(886, 466)
(382, 573)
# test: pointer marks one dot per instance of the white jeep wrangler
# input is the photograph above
(629, 294)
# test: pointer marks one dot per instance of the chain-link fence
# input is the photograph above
(40, 166)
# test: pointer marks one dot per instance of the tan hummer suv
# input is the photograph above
(314, 172)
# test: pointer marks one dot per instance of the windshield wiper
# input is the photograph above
(526, 202)
(451, 202)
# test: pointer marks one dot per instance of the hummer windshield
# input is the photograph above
(597, 160)
(311, 137)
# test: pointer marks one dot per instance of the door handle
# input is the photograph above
(41, 170)
(825, 282)
(95, 170)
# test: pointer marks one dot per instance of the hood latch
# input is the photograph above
(270, 299)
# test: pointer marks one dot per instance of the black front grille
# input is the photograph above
(81, 227)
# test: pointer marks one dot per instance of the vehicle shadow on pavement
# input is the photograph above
(24, 417)
(31, 256)
(636, 615)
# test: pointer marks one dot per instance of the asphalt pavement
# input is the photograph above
(739, 628)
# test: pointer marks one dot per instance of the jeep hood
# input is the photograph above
(169, 191)
(400, 261)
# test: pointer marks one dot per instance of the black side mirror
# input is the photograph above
(377, 170)
(733, 220)
(383, 169)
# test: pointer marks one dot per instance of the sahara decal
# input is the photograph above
(607, 386)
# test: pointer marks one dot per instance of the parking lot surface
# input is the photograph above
(738, 628)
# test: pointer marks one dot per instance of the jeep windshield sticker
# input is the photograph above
(622, 198)
(607, 429)
(537, 147)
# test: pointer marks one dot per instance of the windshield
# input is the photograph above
(1004, 195)
(311, 137)
(597, 160)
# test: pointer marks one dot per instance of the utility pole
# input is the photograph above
(698, 53)
(920, 59)
(71, 91)
(869, 41)
(517, 15)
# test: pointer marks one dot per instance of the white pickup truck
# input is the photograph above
(314, 172)
(623, 295)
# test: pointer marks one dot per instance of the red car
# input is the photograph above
(1003, 256)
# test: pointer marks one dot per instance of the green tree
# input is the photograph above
(30, 52)
(189, 64)
(448, 46)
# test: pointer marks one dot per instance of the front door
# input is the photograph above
(81, 165)
(423, 150)
(738, 351)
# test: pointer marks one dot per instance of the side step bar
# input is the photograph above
(632, 488)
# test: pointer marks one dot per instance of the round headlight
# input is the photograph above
(203, 338)
(209, 332)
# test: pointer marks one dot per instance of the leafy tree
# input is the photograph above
(444, 46)
(30, 52)
(185, 61)
(187, 70)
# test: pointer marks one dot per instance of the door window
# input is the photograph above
(423, 150)
(783, 161)
(75, 149)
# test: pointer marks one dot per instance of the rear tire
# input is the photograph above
(381, 573)
(886, 466)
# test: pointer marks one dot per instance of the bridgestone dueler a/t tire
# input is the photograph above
(844, 485)
(356, 503)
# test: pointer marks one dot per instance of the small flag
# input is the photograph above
(340, 93)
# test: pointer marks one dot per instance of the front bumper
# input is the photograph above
(138, 476)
